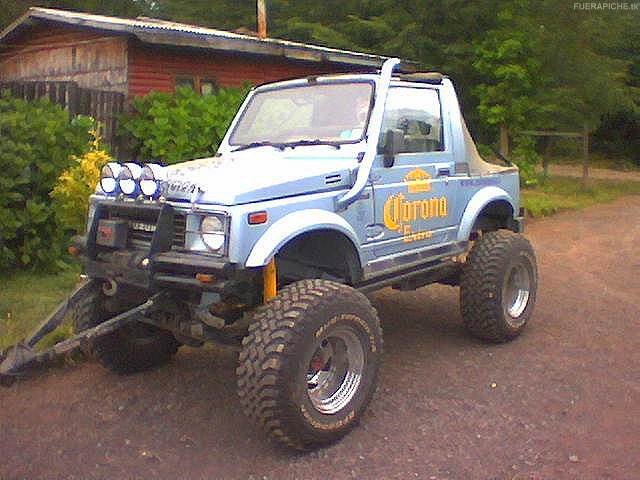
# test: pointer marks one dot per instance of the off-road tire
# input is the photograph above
(498, 286)
(132, 348)
(306, 320)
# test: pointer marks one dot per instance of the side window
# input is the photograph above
(188, 82)
(415, 112)
(208, 87)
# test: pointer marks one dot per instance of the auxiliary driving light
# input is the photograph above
(109, 177)
(151, 179)
(129, 178)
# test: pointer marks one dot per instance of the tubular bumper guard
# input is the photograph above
(153, 266)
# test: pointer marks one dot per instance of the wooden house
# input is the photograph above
(135, 56)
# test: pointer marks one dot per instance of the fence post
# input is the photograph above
(585, 154)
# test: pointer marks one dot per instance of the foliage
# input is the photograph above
(76, 184)
(37, 140)
(567, 193)
(619, 136)
(512, 73)
(526, 157)
(172, 127)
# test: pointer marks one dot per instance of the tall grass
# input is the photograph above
(26, 298)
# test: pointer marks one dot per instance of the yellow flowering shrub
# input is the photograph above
(71, 193)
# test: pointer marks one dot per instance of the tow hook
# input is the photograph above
(110, 287)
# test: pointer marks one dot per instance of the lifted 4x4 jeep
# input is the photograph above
(322, 189)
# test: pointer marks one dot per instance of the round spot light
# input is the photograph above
(129, 178)
(151, 179)
(109, 177)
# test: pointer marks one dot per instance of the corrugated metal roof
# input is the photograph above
(163, 32)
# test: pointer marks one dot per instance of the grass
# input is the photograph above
(26, 298)
(597, 160)
(566, 193)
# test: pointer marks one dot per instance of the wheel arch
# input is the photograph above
(299, 225)
(490, 208)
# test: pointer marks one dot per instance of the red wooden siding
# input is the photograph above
(155, 68)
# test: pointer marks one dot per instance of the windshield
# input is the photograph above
(328, 112)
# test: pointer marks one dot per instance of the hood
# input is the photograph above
(254, 175)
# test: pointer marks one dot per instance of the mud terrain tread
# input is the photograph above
(264, 358)
(481, 285)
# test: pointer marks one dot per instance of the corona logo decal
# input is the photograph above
(418, 180)
(399, 211)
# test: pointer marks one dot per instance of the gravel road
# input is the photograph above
(560, 402)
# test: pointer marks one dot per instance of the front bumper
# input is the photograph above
(168, 269)
(152, 258)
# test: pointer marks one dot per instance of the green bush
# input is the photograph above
(526, 157)
(172, 127)
(37, 140)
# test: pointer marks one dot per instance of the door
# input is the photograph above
(413, 201)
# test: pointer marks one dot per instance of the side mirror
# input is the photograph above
(393, 140)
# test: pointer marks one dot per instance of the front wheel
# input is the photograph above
(133, 347)
(309, 365)
(498, 286)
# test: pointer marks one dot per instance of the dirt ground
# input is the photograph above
(560, 402)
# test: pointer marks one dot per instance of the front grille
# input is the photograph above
(142, 225)
(141, 233)
(179, 228)
(138, 236)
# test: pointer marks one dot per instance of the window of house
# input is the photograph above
(188, 82)
(208, 87)
(204, 86)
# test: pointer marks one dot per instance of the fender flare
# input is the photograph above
(294, 224)
(480, 200)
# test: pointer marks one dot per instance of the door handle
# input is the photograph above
(444, 172)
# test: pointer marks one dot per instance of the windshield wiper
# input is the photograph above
(317, 141)
(264, 143)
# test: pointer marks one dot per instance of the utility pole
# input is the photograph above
(504, 140)
(262, 19)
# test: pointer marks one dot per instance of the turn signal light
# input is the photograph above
(257, 218)
(205, 277)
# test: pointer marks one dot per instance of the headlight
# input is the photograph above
(212, 231)
(151, 178)
(129, 177)
(109, 177)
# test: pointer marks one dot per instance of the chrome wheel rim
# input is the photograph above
(335, 371)
(517, 290)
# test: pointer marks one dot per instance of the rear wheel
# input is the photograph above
(308, 367)
(134, 347)
(498, 286)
